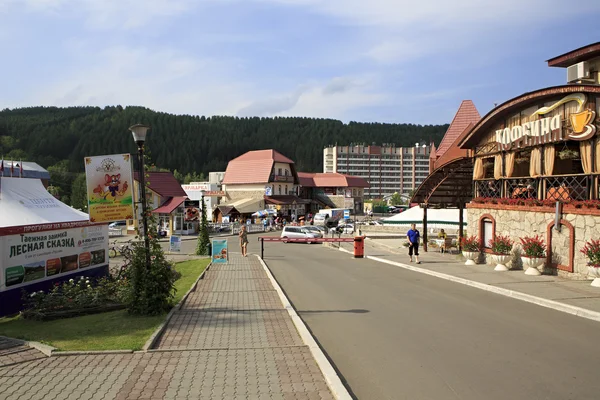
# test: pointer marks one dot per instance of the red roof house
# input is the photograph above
(320, 180)
(255, 167)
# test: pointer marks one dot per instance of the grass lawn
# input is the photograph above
(116, 330)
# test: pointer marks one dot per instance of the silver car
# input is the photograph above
(297, 232)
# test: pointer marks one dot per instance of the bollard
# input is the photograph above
(359, 247)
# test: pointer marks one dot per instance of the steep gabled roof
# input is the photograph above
(466, 114)
(163, 183)
(330, 179)
(253, 167)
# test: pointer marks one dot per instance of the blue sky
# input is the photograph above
(354, 60)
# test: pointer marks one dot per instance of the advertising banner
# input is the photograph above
(192, 210)
(219, 251)
(109, 187)
(36, 257)
(175, 243)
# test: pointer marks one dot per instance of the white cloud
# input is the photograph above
(164, 80)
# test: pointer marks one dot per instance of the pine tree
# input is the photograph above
(203, 246)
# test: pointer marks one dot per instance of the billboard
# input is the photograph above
(192, 210)
(175, 243)
(109, 187)
(34, 257)
(219, 251)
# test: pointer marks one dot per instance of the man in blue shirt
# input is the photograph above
(413, 236)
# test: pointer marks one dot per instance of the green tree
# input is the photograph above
(396, 199)
(203, 246)
(79, 198)
(152, 286)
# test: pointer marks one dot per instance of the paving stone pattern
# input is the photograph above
(232, 339)
(15, 352)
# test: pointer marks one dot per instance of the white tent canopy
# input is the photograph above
(436, 218)
(26, 201)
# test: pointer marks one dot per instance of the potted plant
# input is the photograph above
(533, 255)
(501, 247)
(471, 246)
(568, 154)
(592, 252)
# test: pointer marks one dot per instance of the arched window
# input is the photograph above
(278, 189)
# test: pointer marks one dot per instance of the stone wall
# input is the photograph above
(564, 246)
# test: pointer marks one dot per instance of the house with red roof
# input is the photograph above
(165, 199)
(258, 180)
(333, 190)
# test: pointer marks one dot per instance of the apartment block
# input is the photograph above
(388, 169)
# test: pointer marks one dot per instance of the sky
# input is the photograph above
(353, 60)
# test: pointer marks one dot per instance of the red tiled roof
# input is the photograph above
(169, 205)
(466, 114)
(331, 180)
(163, 183)
(253, 167)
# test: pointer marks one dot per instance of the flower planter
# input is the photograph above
(501, 260)
(470, 256)
(594, 272)
(531, 264)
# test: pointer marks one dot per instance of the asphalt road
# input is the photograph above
(397, 334)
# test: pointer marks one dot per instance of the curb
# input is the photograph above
(87, 353)
(158, 332)
(44, 348)
(540, 301)
(334, 382)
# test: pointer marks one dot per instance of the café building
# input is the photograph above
(536, 165)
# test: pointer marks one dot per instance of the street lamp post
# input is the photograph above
(139, 132)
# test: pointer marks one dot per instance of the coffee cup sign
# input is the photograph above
(549, 129)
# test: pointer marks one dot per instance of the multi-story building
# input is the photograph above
(388, 169)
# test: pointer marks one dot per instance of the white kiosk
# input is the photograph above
(43, 241)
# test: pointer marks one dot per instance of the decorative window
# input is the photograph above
(279, 189)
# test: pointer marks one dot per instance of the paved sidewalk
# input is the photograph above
(232, 339)
(576, 293)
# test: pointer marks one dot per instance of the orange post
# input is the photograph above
(359, 247)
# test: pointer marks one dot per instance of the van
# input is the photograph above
(297, 232)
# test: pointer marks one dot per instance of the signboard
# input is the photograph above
(109, 187)
(346, 214)
(216, 193)
(34, 257)
(197, 187)
(348, 193)
(192, 210)
(175, 243)
(268, 191)
(219, 251)
(550, 129)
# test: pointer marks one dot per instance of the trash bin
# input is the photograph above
(359, 247)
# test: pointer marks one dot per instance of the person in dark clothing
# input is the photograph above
(413, 237)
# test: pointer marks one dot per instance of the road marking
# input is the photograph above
(540, 301)
(334, 382)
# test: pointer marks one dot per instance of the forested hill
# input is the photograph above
(189, 144)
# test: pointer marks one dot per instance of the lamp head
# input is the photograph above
(139, 132)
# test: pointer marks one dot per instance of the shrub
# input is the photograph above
(592, 252)
(501, 245)
(77, 295)
(533, 246)
(471, 243)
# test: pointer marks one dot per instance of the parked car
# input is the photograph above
(118, 225)
(298, 232)
(315, 229)
(345, 228)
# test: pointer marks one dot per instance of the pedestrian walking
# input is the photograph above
(244, 241)
(413, 237)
